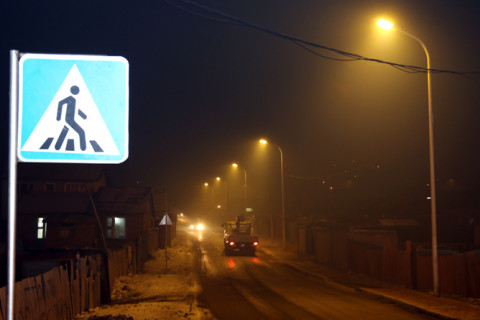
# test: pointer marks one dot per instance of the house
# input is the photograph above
(128, 217)
(48, 220)
(69, 207)
(54, 207)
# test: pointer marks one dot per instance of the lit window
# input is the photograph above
(41, 228)
(116, 227)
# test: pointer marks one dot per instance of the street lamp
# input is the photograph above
(207, 198)
(235, 165)
(384, 24)
(225, 206)
(264, 141)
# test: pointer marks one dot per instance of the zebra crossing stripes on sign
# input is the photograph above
(73, 109)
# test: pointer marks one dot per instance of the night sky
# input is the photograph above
(203, 91)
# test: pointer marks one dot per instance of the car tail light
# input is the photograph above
(255, 243)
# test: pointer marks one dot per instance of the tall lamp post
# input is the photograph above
(264, 141)
(225, 204)
(388, 26)
(235, 165)
(207, 197)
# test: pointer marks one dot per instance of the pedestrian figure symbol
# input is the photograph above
(70, 114)
(70, 120)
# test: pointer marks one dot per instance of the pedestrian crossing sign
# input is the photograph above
(72, 108)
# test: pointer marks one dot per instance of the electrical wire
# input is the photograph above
(219, 16)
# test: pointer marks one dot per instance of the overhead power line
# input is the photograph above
(312, 47)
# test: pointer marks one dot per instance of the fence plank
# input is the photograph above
(30, 298)
(41, 297)
(3, 303)
(66, 293)
(473, 274)
(49, 288)
(19, 301)
(76, 289)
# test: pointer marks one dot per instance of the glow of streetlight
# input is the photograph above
(384, 24)
(264, 141)
(218, 179)
(235, 165)
(206, 184)
(432, 199)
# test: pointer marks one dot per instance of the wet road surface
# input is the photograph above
(261, 287)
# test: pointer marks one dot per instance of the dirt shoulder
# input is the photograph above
(166, 289)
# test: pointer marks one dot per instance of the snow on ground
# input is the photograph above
(166, 289)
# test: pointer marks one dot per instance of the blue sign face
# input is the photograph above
(73, 108)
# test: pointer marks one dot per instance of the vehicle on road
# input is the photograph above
(238, 237)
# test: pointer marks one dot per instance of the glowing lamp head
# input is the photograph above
(234, 165)
(263, 141)
(384, 24)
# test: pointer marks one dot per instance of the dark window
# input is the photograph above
(26, 188)
(74, 187)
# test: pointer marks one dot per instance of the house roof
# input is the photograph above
(123, 200)
(60, 171)
(54, 202)
(399, 222)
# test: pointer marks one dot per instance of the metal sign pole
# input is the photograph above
(166, 222)
(166, 244)
(12, 182)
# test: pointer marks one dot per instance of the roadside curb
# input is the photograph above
(404, 304)
(365, 291)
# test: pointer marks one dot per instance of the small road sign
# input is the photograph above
(73, 108)
(166, 221)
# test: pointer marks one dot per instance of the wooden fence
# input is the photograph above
(60, 293)
(69, 289)
(459, 273)
(121, 262)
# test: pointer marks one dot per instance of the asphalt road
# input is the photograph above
(261, 287)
